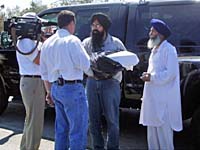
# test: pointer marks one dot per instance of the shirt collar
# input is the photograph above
(62, 32)
(154, 50)
(108, 39)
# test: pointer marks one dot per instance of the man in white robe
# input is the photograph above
(161, 102)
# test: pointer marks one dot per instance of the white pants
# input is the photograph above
(160, 138)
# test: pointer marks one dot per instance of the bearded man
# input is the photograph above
(103, 94)
(161, 102)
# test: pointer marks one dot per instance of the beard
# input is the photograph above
(97, 40)
(153, 42)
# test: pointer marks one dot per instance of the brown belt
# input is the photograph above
(31, 76)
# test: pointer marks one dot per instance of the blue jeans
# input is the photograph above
(71, 122)
(104, 99)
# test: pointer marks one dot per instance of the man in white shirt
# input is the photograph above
(32, 91)
(161, 102)
(63, 61)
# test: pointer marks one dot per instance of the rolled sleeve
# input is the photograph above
(43, 66)
(79, 56)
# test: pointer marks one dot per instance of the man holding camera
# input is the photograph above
(32, 91)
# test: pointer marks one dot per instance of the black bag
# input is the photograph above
(104, 67)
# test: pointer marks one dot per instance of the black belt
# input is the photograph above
(62, 81)
(31, 76)
(72, 81)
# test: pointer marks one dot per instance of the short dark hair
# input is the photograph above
(65, 17)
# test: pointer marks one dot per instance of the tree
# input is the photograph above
(70, 2)
(12, 12)
(34, 8)
(80, 1)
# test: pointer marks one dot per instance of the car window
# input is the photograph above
(183, 20)
(51, 17)
(83, 21)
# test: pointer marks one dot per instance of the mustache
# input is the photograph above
(94, 32)
(153, 41)
(97, 39)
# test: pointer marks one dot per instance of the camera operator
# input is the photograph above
(46, 32)
(32, 91)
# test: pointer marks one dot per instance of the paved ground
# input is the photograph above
(132, 135)
(10, 140)
(11, 127)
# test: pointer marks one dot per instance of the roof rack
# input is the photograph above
(142, 1)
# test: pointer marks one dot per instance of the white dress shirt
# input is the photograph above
(162, 94)
(25, 62)
(63, 55)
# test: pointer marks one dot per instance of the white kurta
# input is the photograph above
(162, 94)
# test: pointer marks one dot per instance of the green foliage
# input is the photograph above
(34, 8)
(13, 12)
(37, 7)
(81, 1)
(71, 2)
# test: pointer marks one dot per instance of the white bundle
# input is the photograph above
(127, 59)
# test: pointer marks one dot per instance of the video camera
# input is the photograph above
(27, 27)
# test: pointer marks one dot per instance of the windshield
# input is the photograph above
(82, 20)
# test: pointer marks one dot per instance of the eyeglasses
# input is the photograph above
(96, 25)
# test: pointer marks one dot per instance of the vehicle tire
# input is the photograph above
(195, 129)
(190, 94)
(3, 97)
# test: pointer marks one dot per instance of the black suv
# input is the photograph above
(130, 23)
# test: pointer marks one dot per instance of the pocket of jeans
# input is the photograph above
(25, 85)
(115, 80)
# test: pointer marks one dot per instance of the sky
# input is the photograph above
(26, 3)
(22, 3)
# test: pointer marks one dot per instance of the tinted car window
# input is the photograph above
(51, 17)
(183, 20)
(117, 12)
(83, 21)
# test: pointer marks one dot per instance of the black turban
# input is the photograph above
(103, 19)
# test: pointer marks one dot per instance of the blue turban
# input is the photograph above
(161, 27)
